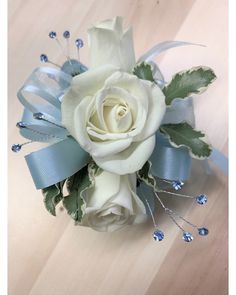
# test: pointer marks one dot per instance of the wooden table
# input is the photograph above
(50, 256)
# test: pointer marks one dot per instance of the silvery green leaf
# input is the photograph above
(185, 83)
(143, 71)
(52, 196)
(146, 176)
(183, 134)
(73, 202)
(76, 186)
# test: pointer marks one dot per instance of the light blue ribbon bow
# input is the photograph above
(42, 93)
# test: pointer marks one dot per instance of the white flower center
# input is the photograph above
(117, 116)
(113, 113)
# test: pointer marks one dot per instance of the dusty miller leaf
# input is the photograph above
(146, 176)
(52, 196)
(185, 83)
(143, 71)
(183, 134)
(76, 186)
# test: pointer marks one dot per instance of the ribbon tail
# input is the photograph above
(220, 160)
(57, 162)
(161, 47)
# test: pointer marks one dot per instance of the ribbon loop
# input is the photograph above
(48, 84)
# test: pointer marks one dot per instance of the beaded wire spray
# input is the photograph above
(200, 199)
(74, 67)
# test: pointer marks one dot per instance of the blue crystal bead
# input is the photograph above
(21, 124)
(187, 237)
(38, 116)
(44, 58)
(158, 235)
(52, 35)
(201, 199)
(16, 147)
(66, 34)
(177, 185)
(79, 43)
(203, 231)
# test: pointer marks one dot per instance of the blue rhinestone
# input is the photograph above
(21, 124)
(16, 147)
(66, 34)
(201, 199)
(79, 43)
(38, 116)
(177, 185)
(158, 235)
(187, 237)
(203, 231)
(43, 58)
(52, 35)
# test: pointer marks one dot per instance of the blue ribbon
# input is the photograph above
(220, 160)
(42, 92)
(169, 162)
(57, 162)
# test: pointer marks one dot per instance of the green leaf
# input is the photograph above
(143, 71)
(185, 83)
(183, 134)
(73, 202)
(145, 175)
(52, 196)
(76, 186)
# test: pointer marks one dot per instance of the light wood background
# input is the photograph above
(50, 256)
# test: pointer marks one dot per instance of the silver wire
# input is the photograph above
(176, 194)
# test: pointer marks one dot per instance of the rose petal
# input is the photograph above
(81, 135)
(130, 160)
(156, 110)
(106, 185)
(131, 84)
(108, 45)
(81, 86)
(114, 24)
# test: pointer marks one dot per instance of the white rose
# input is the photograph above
(111, 113)
(112, 203)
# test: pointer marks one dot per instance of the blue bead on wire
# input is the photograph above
(16, 147)
(201, 199)
(66, 34)
(44, 58)
(203, 231)
(158, 235)
(21, 124)
(177, 185)
(52, 35)
(187, 237)
(79, 43)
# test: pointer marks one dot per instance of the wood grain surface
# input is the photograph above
(50, 256)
